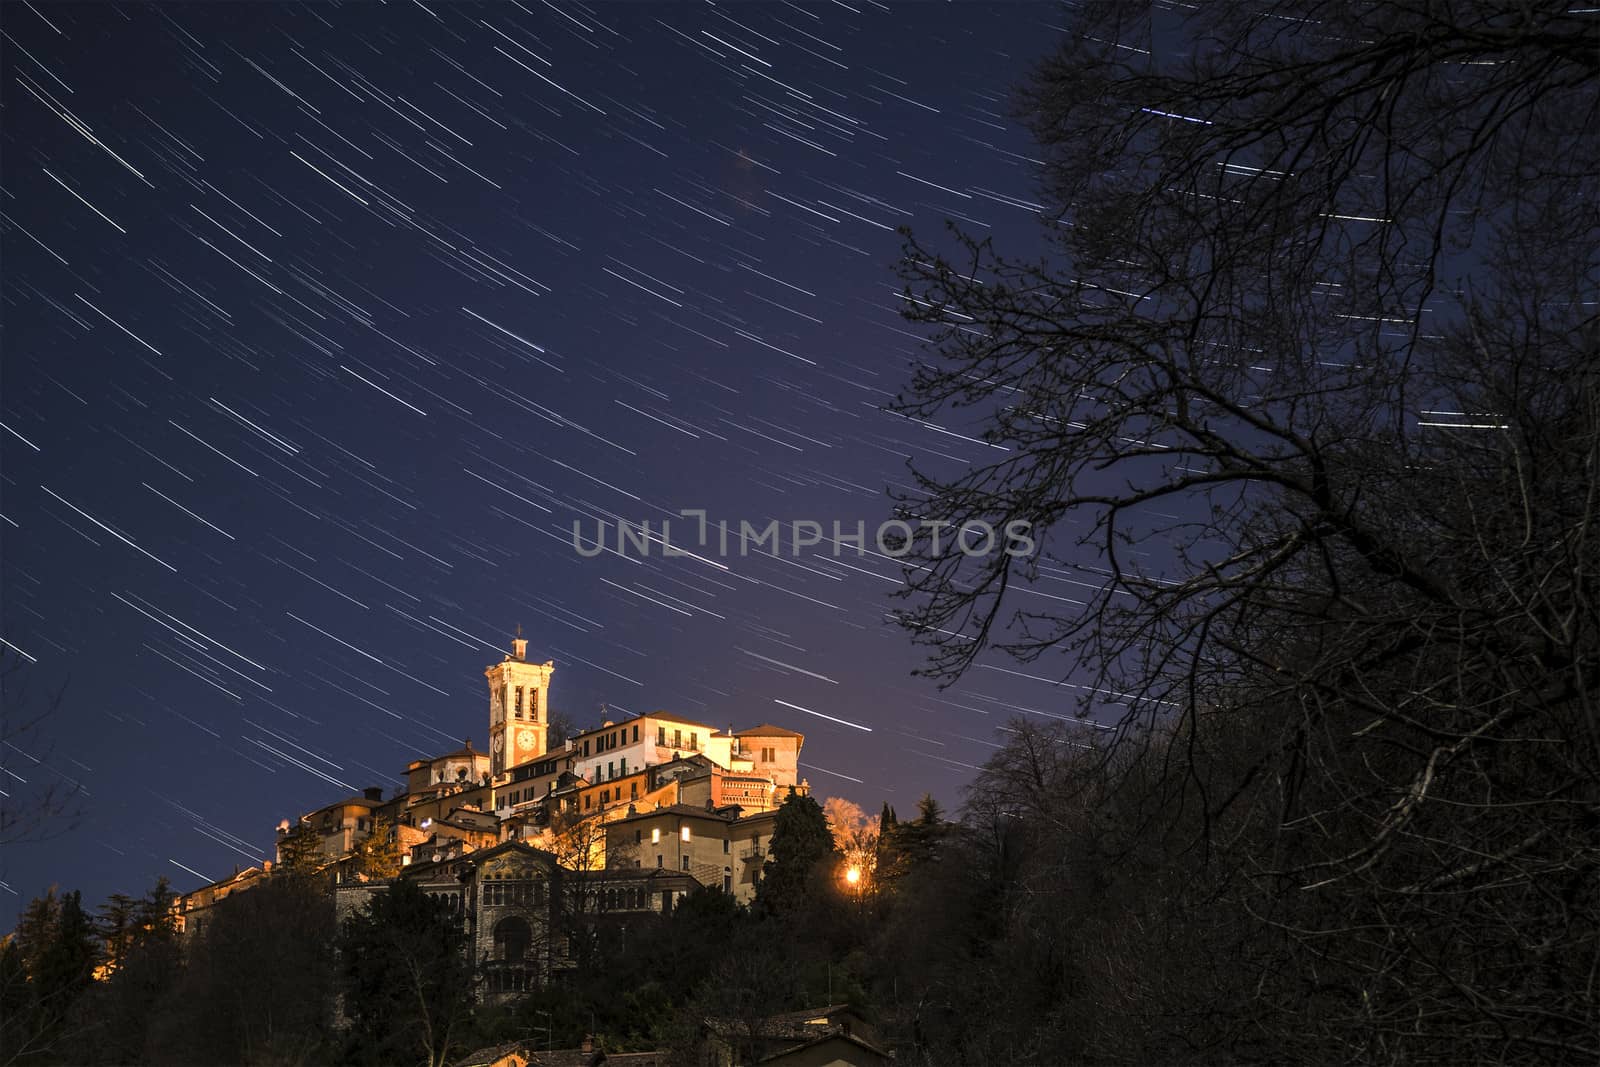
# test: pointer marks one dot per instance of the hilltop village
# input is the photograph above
(627, 818)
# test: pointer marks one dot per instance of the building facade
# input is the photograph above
(531, 848)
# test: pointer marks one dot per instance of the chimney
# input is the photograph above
(373, 792)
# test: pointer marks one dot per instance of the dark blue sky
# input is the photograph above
(322, 325)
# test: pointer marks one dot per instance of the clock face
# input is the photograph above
(525, 738)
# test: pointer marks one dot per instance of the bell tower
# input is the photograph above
(518, 713)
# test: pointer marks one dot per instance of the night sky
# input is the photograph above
(323, 323)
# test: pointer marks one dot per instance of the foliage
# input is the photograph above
(117, 928)
(378, 856)
(54, 1009)
(802, 856)
(258, 982)
(406, 981)
(300, 853)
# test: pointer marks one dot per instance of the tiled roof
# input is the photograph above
(678, 809)
(767, 730)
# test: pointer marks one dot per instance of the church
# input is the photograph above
(534, 846)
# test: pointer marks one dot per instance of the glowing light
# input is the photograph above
(853, 875)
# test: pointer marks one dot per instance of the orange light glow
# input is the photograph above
(853, 875)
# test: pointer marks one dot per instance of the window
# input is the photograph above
(724, 846)
(636, 733)
(684, 833)
(634, 794)
(694, 741)
(686, 863)
(655, 836)
(533, 704)
(677, 739)
(519, 702)
(611, 768)
(586, 799)
(623, 765)
(586, 748)
(661, 736)
(727, 882)
(658, 859)
(605, 797)
(512, 937)
(638, 836)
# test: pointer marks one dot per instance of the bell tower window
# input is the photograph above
(519, 702)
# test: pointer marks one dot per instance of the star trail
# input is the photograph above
(324, 325)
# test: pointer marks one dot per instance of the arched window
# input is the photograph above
(512, 939)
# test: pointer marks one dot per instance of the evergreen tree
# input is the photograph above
(300, 853)
(154, 920)
(918, 841)
(37, 927)
(378, 856)
(17, 1016)
(890, 861)
(801, 843)
(65, 968)
(116, 927)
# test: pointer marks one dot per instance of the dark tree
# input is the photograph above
(1304, 407)
(117, 928)
(16, 1002)
(154, 915)
(558, 727)
(917, 842)
(118, 1020)
(49, 963)
(300, 853)
(406, 982)
(802, 857)
(258, 982)
(40, 801)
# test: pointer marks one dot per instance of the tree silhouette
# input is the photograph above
(801, 849)
(39, 801)
(407, 984)
(1304, 414)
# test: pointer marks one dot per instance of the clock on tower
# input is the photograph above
(516, 707)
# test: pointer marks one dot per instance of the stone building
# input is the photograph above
(532, 848)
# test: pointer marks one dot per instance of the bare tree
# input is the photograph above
(1305, 415)
(37, 801)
